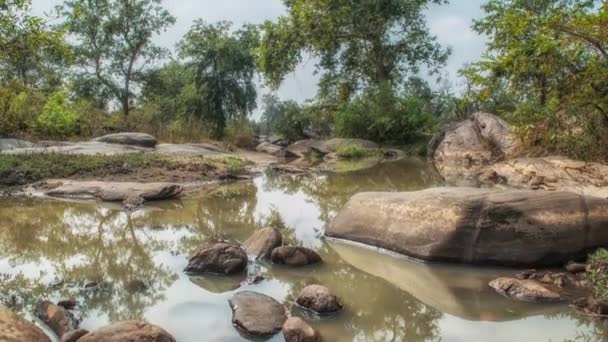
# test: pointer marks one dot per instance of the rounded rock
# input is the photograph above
(132, 331)
(262, 242)
(13, 328)
(294, 256)
(257, 315)
(296, 329)
(526, 290)
(220, 258)
(319, 299)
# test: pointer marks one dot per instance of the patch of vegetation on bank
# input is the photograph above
(355, 152)
(29, 168)
(598, 273)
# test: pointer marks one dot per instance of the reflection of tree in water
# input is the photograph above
(80, 244)
(588, 328)
(330, 191)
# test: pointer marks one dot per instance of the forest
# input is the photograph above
(91, 67)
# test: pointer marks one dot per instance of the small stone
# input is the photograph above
(253, 280)
(68, 304)
(525, 290)
(256, 315)
(73, 335)
(319, 299)
(296, 329)
(575, 267)
(262, 242)
(294, 256)
(220, 258)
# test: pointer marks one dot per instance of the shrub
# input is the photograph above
(19, 108)
(240, 134)
(57, 118)
(598, 273)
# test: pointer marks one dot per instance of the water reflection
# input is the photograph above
(52, 249)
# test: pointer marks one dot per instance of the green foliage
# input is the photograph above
(57, 118)
(234, 165)
(114, 41)
(240, 134)
(382, 115)
(352, 152)
(285, 118)
(223, 64)
(547, 69)
(19, 108)
(598, 273)
(358, 43)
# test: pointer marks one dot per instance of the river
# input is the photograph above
(52, 249)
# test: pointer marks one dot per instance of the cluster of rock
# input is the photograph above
(16, 329)
(256, 314)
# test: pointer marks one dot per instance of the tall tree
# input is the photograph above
(30, 51)
(359, 44)
(114, 41)
(224, 65)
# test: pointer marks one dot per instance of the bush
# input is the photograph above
(57, 118)
(240, 134)
(19, 109)
(598, 273)
(382, 115)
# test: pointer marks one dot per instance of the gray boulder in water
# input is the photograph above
(257, 315)
(129, 138)
(477, 226)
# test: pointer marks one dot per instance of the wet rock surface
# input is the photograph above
(73, 335)
(111, 191)
(256, 315)
(55, 317)
(526, 290)
(13, 328)
(219, 258)
(296, 329)
(262, 242)
(319, 299)
(131, 331)
(294, 256)
(129, 138)
(476, 226)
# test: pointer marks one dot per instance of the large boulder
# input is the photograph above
(477, 226)
(262, 242)
(294, 256)
(82, 148)
(526, 290)
(257, 315)
(129, 138)
(55, 317)
(549, 173)
(131, 331)
(296, 329)
(11, 144)
(269, 148)
(319, 299)
(13, 328)
(333, 145)
(219, 258)
(463, 149)
(303, 148)
(111, 191)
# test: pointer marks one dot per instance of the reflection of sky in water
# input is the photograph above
(385, 298)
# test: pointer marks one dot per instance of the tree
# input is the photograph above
(223, 64)
(283, 117)
(30, 52)
(359, 44)
(548, 59)
(114, 41)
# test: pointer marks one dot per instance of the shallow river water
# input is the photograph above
(52, 249)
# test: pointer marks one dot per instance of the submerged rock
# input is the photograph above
(73, 335)
(129, 138)
(296, 329)
(220, 258)
(476, 226)
(13, 328)
(262, 242)
(319, 299)
(112, 191)
(526, 290)
(132, 331)
(294, 256)
(55, 317)
(257, 315)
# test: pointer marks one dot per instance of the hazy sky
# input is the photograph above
(450, 23)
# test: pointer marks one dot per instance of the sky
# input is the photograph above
(450, 23)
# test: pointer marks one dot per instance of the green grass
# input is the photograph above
(29, 168)
(598, 273)
(352, 152)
